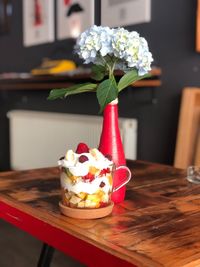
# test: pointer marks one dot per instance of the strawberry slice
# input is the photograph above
(89, 177)
(82, 148)
(104, 172)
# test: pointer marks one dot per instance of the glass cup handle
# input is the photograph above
(127, 179)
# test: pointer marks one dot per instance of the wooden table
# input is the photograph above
(157, 225)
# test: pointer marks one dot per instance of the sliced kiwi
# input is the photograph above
(67, 171)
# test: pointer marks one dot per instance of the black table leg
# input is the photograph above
(46, 256)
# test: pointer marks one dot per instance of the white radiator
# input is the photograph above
(39, 139)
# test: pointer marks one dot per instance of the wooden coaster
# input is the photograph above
(86, 213)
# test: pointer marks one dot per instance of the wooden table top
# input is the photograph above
(157, 225)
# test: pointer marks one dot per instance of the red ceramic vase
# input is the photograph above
(111, 144)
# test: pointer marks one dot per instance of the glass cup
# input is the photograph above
(93, 190)
(193, 174)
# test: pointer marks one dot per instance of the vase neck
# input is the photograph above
(111, 112)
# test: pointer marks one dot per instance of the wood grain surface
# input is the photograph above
(157, 225)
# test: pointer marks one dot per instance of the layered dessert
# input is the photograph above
(86, 178)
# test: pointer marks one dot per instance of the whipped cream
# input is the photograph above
(81, 169)
(86, 187)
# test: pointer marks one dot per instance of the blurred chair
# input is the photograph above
(188, 135)
(197, 152)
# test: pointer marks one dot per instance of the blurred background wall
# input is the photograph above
(171, 38)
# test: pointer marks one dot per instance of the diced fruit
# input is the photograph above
(100, 193)
(70, 155)
(97, 205)
(70, 193)
(90, 204)
(73, 178)
(93, 170)
(93, 198)
(82, 148)
(67, 196)
(89, 177)
(81, 204)
(82, 195)
(75, 200)
(83, 158)
(69, 174)
(96, 154)
(104, 172)
(105, 198)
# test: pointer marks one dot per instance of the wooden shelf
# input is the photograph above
(49, 82)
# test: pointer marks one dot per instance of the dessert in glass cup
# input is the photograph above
(86, 177)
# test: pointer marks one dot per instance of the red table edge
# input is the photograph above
(85, 253)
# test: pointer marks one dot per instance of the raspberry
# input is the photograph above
(82, 148)
(102, 184)
(108, 156)
(83, 158)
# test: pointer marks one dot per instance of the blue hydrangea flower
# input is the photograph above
(102, 45)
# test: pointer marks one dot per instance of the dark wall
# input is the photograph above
(171, 37)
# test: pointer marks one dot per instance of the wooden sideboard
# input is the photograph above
(29, 82)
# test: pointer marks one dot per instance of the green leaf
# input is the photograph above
(75, 89)
(106, 92)
(98, 72)
(129, 78)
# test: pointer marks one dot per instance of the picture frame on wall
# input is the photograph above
(38, 22)
(74, 17)
(5, 15)
(198, 27)
(117, 13)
